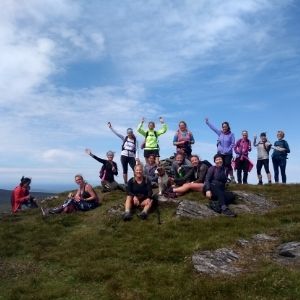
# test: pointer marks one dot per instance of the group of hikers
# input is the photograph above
(187, 173)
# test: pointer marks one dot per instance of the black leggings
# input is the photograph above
(262, 163)
(279, 163)
(221, 195)
(227, 158)
(125, 160)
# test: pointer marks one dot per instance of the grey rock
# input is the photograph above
(116, 210)
(262, 237)
(195, 210)
(218, 262)
(252, 203)
(243, 242)
(291, 249)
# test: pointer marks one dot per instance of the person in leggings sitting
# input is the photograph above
(214, 188)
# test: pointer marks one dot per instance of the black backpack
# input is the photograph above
(125, 140)
(206, 162)
(144, 143)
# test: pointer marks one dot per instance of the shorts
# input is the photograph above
(154, 152)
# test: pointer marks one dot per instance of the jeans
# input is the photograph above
(279, 163)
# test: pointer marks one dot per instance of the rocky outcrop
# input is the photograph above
(288, 254)
(220, 261)
(251, 203)
(245, 203)
(239, 258)
(195, 210)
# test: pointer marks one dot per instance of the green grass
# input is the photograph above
(94, 255)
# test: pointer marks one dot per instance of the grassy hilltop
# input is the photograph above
(95, 255)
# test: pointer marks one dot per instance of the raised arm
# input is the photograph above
(212, 127)
(140, 127)
(89, 152)
(164, 127)
(115, 132)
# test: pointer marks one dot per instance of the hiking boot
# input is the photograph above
(232, 180)
(143, 215)
(260, 183)
(215, 206)
(228, 213)
(127, 216)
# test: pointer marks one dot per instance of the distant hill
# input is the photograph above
(5, 198)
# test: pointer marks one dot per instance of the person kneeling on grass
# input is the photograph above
(20, 196)
(107, 172)
(84, 199)
(214, 188)
(139, 194)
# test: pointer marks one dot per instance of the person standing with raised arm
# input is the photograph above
(225, 144)
(151, 138)
(263, 148)
(129, 153)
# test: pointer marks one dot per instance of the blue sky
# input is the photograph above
(67, 67)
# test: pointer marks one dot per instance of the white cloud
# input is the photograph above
(58, 155)
(148, 43)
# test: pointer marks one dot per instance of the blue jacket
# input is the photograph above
(281, 154)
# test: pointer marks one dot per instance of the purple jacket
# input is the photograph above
(226, 141)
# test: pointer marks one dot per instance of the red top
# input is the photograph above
(18, 196)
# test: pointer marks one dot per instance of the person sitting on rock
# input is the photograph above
(150, 171)
(214, 188)
(195, 177)
(20, 196)
(84, 199)
(139, 194)
(181, 172)
(107, 172)
(181, 169)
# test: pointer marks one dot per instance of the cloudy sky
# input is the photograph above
(67, 67)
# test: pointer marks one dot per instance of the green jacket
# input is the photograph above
(151, 140)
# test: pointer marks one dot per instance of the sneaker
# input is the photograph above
(44, 212)
(162, 198)
(127, 216)
(143, 215)
(228, 213)
(56, 210)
